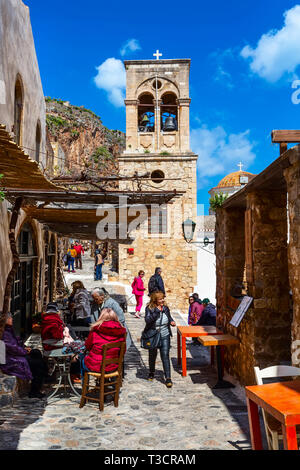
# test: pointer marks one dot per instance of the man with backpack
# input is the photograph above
(156, 283)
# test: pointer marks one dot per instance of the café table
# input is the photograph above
(219, 341)
(282, 401)
(191, 331)
(62, 363)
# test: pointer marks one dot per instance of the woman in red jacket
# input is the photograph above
(52, 326)
(138, 290)
(107, 329)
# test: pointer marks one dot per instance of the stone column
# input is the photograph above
(292, 176)
(270, 283)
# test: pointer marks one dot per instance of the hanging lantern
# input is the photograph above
(188, 228)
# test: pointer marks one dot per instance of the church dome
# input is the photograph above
(237, 178)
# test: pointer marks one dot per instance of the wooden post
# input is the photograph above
(46, 287)
(16, 261)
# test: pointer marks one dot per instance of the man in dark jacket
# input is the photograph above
(209, 314)
(156, 283)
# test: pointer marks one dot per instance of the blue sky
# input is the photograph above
(245, 56)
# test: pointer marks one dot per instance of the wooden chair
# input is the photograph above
(272, 426)
(102, 376)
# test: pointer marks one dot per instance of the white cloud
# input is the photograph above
(219, 152)
(131, 45)
(111, 77)
(278, 51)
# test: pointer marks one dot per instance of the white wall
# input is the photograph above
(206, 272)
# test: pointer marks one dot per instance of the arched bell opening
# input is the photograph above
(146, 116)
(18, 110)
(169, 112)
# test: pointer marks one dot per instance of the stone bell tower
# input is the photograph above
(158, 149)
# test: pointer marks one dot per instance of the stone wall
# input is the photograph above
(264, 332)
(176, 257)
(292, 176)
(19, 59)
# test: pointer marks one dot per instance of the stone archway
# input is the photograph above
(22, 297)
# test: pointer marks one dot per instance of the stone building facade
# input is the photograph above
(22, 112)
(158, 149)
(257, 247)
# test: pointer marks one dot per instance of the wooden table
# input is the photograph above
(282, 401)
(190, 331)
(219, 341)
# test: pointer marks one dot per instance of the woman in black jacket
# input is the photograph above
(157, 316)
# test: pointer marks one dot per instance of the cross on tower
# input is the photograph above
(157, 54)
(240, 165)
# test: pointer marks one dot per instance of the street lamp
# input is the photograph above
(188, 228)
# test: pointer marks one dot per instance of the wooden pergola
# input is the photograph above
(62, 210)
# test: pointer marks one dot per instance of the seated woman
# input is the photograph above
(52, 326)
(195, 310)
(80, 305)
(209, 314)
(22, 362)
(107, 329)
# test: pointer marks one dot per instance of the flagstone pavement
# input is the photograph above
(190, 416)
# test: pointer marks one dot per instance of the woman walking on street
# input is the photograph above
(138, 290)
(71, 255)
(158, 317)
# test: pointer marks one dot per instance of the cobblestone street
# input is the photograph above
(189, 416)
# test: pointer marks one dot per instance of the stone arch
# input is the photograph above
(169, 111)
(146, 112)
(167, 85)
(23, 297)
(18, 109)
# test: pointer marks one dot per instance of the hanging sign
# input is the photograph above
(241, 310)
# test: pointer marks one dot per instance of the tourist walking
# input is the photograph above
(156, 283)
(158, 316)
(79, 253)
(98, 265)
(138, 289)
(71, 255)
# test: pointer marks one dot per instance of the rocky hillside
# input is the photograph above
(78, 142)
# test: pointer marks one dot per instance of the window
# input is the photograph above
(157, 176)
(169, 114)
(38, 141)
(18, 111)
(158, 220)
(146, 116)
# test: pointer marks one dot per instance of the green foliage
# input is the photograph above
(56, 121)
(217, 201)
(101, 154)
(146, 151)
(74, 133)
(164, 153)
(2, 192)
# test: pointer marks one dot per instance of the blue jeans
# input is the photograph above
(99, 272)
(71, 263)
(83, 367)
(164, 354)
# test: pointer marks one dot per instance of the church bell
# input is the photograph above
(170, 124)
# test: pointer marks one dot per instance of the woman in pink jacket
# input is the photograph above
(138, 290)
